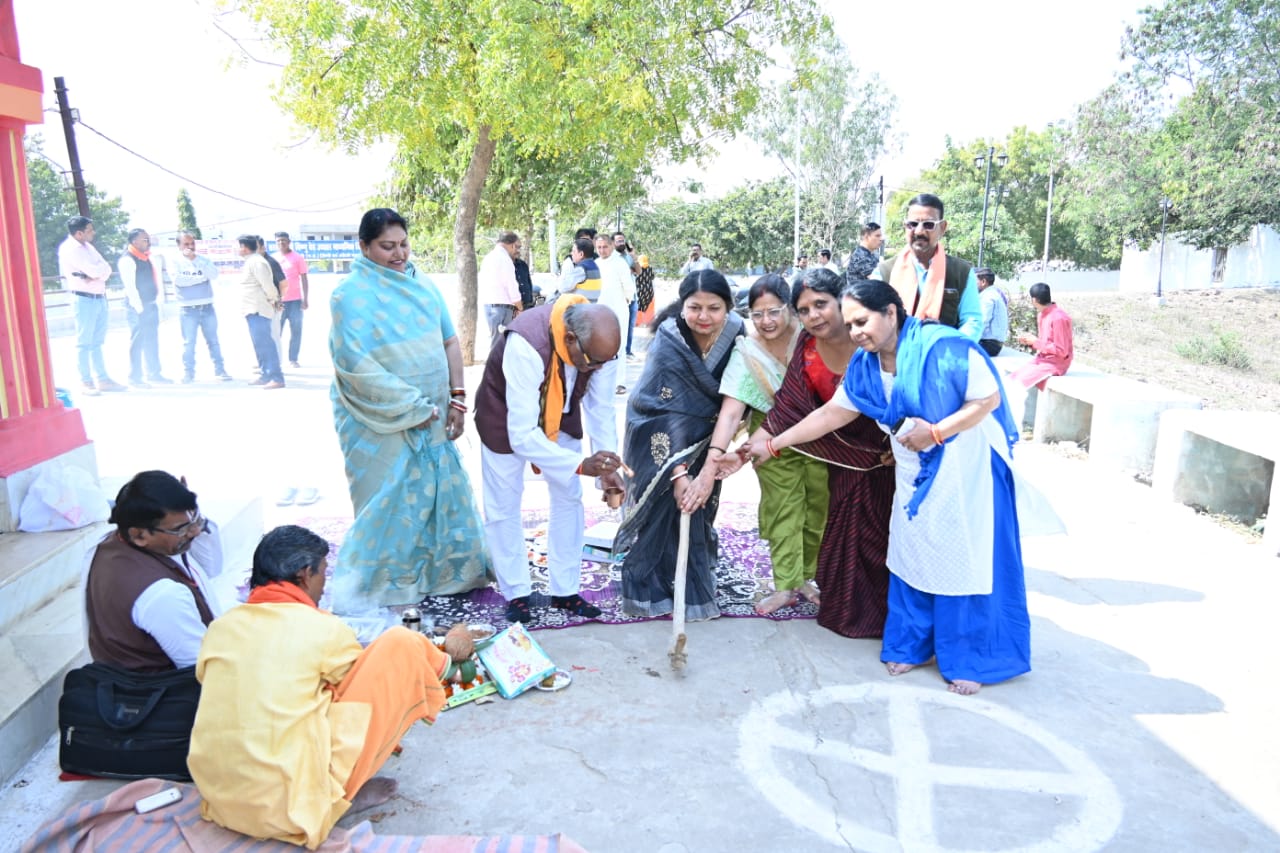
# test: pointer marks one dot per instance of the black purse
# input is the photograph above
(122, 724)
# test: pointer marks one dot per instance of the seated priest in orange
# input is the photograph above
(295, 718)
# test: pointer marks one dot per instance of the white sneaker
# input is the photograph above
(308, 496)
(287, 496)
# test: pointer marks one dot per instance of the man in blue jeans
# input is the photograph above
(193, 283)
(84, 274)
(259, 299)
(296, 292)
(144, 291)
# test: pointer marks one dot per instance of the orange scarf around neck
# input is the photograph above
(923, 301)
(553, 393)
(142, 256)
(280, 592)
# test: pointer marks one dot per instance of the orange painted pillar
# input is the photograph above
(34, 425)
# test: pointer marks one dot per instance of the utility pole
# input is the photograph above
(880, 215)
(69, 117)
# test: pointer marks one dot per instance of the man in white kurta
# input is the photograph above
(517, 379)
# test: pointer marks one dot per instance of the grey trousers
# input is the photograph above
(498, 316)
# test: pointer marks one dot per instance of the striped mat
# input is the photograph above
(110, 825)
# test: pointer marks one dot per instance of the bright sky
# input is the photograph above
(156, 76)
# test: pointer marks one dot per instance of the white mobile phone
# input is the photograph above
(167, 797)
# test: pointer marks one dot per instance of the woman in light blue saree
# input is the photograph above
(398, 406)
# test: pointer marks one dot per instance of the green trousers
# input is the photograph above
(793, 515)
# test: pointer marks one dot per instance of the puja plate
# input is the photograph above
(557, 680)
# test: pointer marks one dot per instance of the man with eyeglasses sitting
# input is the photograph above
(933, 285)
(148, 603)
(147, 594)
(550, 375)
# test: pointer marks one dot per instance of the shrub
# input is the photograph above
(1222, 348)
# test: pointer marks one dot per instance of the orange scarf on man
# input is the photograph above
(923, 301)
(280, 592)
(142, 256)
(553, 390)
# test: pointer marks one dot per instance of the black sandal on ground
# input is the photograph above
(576, 605)
(518, 610)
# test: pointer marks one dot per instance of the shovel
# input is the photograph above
(677, 655)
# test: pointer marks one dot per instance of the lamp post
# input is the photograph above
(980, 161)
(1165, 204)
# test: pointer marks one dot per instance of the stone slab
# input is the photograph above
(1224, 462)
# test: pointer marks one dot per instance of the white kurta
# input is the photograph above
(947, 548)
(503, 473)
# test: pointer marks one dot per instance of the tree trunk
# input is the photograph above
(464, 239)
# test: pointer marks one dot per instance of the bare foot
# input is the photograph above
(964, 688)
(375, 792)
(811, 594)
(778, 600)
(900, 668)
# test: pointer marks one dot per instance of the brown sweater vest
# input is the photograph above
(954, 281)
(117, 576)
(491, 399)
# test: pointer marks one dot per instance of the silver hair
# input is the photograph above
(581, 323)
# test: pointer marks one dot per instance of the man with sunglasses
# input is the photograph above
(147, 593)
(548, 380)
(933, 285)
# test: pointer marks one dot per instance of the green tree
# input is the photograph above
(1193, 119)
(457, 82)
(53, 203)
(829, 125)
(187, 214)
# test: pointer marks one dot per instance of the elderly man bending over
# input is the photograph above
(295, 718)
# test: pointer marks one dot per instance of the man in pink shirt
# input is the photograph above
(84, 274)
(1053, 348)
(295, 292)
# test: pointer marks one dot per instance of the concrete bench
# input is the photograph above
(1223, 462)
(1116, 416)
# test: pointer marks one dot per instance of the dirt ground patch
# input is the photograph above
(1169, 345)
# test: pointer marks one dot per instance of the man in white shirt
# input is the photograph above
(144, 293)
(497, 287)
(84, 273)
(547, 382)
(259, 301)
(147, 594)
(824, 261)
(697, 261)
(617, 285)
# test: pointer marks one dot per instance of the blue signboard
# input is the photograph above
(328, 250)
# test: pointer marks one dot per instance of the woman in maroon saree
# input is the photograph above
(852, 576)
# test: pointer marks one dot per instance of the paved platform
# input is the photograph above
(1148, 722)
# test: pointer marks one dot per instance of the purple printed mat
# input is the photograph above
(743, 576)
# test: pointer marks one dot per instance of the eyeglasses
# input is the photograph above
(771, 313)
(196, 523)
(588, 359)
(926, 224)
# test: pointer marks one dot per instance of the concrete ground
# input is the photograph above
(1148, 722)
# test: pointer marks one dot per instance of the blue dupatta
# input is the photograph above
(933, 373)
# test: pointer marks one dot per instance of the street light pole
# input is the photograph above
(980, 161)
(1164, 222)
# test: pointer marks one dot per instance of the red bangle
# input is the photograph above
(768, 445)
(461, 407)
(937, 436)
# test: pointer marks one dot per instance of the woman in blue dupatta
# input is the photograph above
(398, 406)
(956, 589)
(669, 421)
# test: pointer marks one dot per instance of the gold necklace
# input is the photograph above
(706, 351)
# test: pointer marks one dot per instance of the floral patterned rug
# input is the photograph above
(744, 575)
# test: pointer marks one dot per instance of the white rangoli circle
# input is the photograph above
(914, 775)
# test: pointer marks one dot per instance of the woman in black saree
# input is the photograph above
(669, 422)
